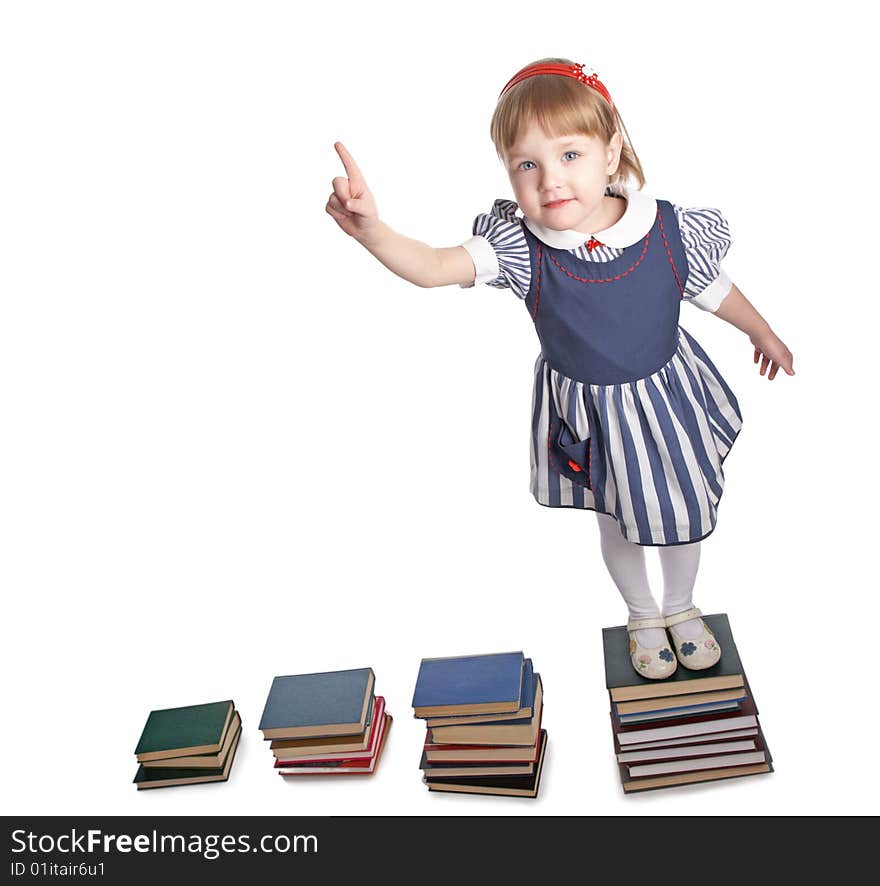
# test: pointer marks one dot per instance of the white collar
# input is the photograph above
(636, 221)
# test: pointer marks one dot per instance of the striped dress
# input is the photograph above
(629, 415)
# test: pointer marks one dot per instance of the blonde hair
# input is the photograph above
(562, 106)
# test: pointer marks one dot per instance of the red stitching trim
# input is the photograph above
(669, 254)
(537, 285)
(607, 279)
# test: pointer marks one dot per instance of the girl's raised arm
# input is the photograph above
(353, 208)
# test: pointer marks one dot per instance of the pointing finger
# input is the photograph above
(355, 177)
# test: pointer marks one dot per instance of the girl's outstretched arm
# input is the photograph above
(353, 208)
(738, 311)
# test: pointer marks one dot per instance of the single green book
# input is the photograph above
(185, 731)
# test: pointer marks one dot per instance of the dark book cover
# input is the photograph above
(648, 717)
(526, 710)
(358, 741)
(441, 769)
(492, 682)
(625, 684)
(337, 700)
(159, 778)
(194, 728)
(198, 761)
(500, 785)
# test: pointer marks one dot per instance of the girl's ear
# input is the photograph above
(615, 146)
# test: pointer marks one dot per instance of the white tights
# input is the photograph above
(626, 563)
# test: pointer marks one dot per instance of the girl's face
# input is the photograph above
(560, 182)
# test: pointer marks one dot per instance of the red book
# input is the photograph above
(345, 767)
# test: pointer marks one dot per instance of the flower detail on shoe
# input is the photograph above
(696, 652)
(652, 662)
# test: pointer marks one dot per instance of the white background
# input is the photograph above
(234, 446)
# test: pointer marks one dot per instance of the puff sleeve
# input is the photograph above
(706, 239)
(499, 250)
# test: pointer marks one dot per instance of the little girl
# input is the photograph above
(630, 418)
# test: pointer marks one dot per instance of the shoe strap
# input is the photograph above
(654, 621)
(679, 617)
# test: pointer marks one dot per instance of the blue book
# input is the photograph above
(317, 705)
(526, 710)
(469, 684)
(500, 732)
(682, 711)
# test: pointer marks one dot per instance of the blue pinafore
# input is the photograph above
(629, 415)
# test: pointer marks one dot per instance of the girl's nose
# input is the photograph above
(550, 178)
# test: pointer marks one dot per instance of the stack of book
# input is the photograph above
(330, 723)
(483, 717)
(187, 745)
(694, 726)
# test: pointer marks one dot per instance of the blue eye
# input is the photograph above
(571, 154)
(523, 164)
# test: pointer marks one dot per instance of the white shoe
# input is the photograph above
(697, 654)
(656, 663)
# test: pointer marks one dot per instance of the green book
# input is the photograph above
(624, 684)
(200, 761)
(167, 778)
(181, 732)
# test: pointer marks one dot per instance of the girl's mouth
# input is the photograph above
(556, 204)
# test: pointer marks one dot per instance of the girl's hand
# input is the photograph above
(772, 352)
(351, 204)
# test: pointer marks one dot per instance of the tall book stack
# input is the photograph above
(330, 723)
(692, 727)
(188, 745)
(483, 718)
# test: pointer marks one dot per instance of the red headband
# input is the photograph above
(575, 71)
